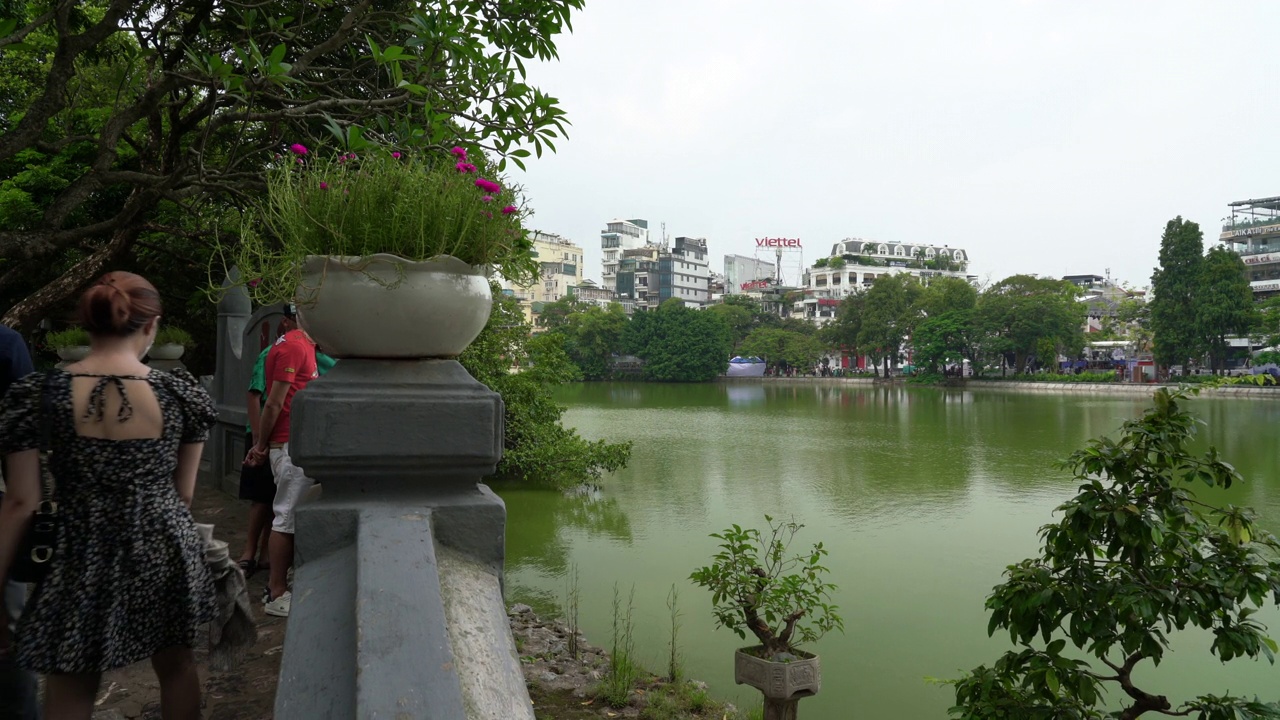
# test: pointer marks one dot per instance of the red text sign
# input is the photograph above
(756, 285)
(778, 242)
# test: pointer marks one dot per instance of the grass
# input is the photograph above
(620, 679)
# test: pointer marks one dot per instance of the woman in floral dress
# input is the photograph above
(128, 580)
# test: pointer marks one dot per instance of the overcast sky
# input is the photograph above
(1045, 137)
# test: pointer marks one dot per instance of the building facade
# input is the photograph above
(560, 261)
(740, 271)
(618, 237)
(685, 272)
(859, 262)
(1253, 232)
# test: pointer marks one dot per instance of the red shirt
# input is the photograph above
(291, 360)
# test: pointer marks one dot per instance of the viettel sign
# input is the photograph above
(756, 285)
(778, 242)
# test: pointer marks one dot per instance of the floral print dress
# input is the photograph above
(129, 576)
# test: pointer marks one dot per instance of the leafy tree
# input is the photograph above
(536, 445)
(1135, 556)
(888, 316)
(1266, 327)
(556, 314)
(1224, 303)
(679, 344)
(738, 318)
(122, 119)
(1173, 286)
(1024, 318)
(842, 332)
(783, 348)
(592, 336)
(942, 339)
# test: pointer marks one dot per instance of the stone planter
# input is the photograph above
(782, 681)
(383, 306)
(73, 353)
(168, 351)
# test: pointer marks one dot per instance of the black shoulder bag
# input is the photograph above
(35, 556)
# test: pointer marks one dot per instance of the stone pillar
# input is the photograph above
(397, 597)
(220, 464)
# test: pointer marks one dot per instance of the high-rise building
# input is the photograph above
(685, 272)
(561, 266)
(618, 236)
(740, 271)
(1253, 232)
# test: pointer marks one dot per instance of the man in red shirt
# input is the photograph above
(291, 364)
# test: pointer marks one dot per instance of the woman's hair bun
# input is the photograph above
(119, 304)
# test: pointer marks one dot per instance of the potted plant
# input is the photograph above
(71, 344)
(171, 343)
(386, 253)
(782, 599)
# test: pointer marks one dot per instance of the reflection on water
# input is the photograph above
(922, 496)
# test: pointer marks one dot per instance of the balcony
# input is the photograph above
(1245, 228)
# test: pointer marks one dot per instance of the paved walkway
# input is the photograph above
(245, 693)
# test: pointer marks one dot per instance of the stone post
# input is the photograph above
(397, 596)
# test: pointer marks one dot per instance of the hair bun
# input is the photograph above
(119, 304)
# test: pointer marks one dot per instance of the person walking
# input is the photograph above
(290, 365)
(17, 686)
(257, 483)
(128, 580)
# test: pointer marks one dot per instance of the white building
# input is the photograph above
(686, 272)
(740, 271)
(560, 261)
(617, 236)
(859, 262)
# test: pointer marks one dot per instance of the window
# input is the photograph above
(897, 250)
(882, 250)
(929, 253)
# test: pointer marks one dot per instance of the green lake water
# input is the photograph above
(922, 496)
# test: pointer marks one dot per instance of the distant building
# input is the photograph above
(1101, 298)
(860, 262)
(1253, 232)
(560, 262)
(618, 237)
(739, 270)
(651, 274)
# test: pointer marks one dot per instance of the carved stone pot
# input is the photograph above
(168, 351)
(385, 307)
(782, 681)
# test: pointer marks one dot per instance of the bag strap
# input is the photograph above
(46, 436)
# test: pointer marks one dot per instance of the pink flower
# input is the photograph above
(396, 155)
(486, 198)
(324, 185)
(351, 156)
(508, 209)
(487, 214)
(488, 185)
(298, 149)
(255, 282)
(464, 167)
(342, 159)
(462, 154)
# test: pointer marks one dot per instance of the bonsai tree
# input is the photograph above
(71, 337)
(1134, 557)
(757, 585)
(170, 335)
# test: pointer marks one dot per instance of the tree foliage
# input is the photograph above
(122, 120)
(783, 348)
(592, 336)
(888, 317)
(1024, 318)
(536, 445)
(1173, 285)
(1135, 556)
(679, 344)
(1224, 304)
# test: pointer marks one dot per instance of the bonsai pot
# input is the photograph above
(168, 351)
(73, 353)
(788, 680)
(385, 307)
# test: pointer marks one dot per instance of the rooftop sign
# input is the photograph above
(1243, 232)
(756, 285)
(778, 242)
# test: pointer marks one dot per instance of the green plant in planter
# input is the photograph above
(417, 205)
(757, 585)
(170, 335)
(71, 337)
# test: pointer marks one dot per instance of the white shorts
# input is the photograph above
(291, 488)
